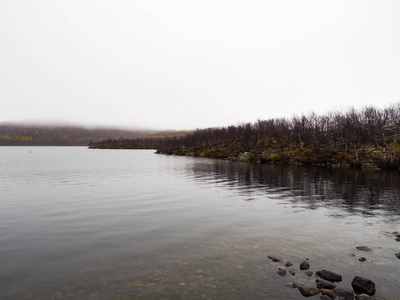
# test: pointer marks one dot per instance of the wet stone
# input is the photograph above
(281, 272)
(304, 265)
(331, 294)
(362, 259)
(397, 239)
(328, 275)
(325, 284)
(362, 285)
(308, 291)
(292, 285)
(363, 248)
(288, 263)
(397, 255)
(324, 297)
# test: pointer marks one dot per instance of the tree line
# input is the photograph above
(356, 138)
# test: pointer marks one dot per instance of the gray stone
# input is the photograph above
(363, 248)
(362, 285)
(324, 297)
(325, 284)
(328, 275)
(346, 294)
(304, 265)
(308, 291)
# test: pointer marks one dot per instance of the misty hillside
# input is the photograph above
(41, 135)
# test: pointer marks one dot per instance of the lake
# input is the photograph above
(130, 224)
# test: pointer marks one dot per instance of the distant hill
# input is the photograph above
(42, 135)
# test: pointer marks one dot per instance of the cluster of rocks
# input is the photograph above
(362, 288)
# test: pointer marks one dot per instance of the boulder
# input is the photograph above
(363, 285)
(344, 293)
(308, 291)
(328, 275)
(304, 265)
(325, 284)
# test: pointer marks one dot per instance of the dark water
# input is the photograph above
(124, 224)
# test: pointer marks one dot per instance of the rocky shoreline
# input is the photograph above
(362, 288)
(252, 157)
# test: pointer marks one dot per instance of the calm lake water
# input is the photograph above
(129, 224)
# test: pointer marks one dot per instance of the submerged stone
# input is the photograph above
(281, 272)
(363, 285)
(325, 284)
(288, 263)
(308, 273)
(346, 294)
(331, 294)
(308, 291)
(275, 259)
(363, 248)
(328, 275)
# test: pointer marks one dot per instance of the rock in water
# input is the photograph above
(362, 259)
(275, 259)
(289, 264)
(304, 265)
(281, 272)
(308, 273)
(397, 255)
(331, 294)
(324, 284)
(330, 276)
(344, 293)
(363, 285)
(363, 248)
(308, 291)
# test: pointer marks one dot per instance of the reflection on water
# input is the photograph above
(368, 192)
(107, 224)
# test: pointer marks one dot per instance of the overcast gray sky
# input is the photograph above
(194, 64)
